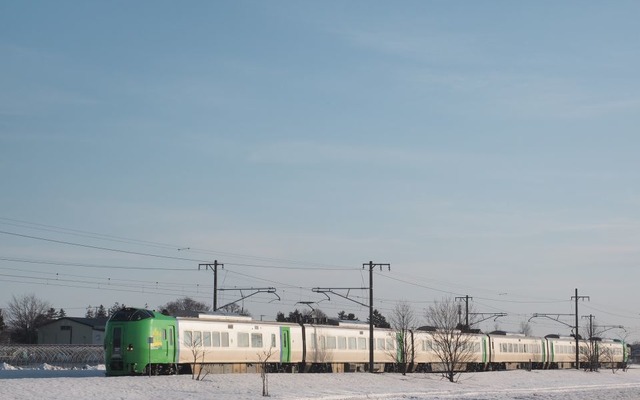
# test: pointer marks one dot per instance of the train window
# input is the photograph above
(164, 334)
(188, 338)
(520, 349)
(224, 339)
(197, 338)
(331, 342)
(353, 344)
(117, 339)
(390, 344)
(243, 339)
(503, 347)
(206, 339)
(131, 314)
(256, 340)
(323, 343)
(314, 339)
(510, 347)
(342, 343)
(171, 336)
(273, 340)
(362, 343)
(380, 344)
(215, 339)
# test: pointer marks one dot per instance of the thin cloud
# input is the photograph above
(313, 153)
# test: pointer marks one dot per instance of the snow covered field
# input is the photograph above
(46, 383)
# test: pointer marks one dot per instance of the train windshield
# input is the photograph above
(131, 314)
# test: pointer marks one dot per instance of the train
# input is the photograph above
(140, 341)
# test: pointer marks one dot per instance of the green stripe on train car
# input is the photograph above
(285, 344)
(484, 349)
(400, 347)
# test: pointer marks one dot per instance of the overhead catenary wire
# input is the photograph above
(166, 246)
(414, 279)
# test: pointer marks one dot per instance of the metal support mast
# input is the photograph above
(466, 302)
(214, 268)
(576, 298)
(371, 265)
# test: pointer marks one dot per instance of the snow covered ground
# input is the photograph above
(49, 383)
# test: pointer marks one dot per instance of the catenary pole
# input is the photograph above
(214, 268)
(576, 297)
(371, 264)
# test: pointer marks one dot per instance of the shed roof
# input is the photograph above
(97, 324)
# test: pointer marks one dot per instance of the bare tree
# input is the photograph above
(1, 320)
(25, 314)
(607, 356)
(402, 321)
(185, 304)
(193, 341)
(589, 349)
(264, 370)
(452, 346)
(525, 328)
(234, 308)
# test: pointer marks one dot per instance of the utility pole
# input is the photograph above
(371, 265)
(466, 301)
(324, 291)
(214, 268)
(576, 298)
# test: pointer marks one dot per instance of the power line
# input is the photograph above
(156, 255)
(83, 265)
(113, 238)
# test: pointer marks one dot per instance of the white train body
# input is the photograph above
(239, 344)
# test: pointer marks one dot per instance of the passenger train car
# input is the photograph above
(139, 341)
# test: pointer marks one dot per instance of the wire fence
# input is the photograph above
(58, 355)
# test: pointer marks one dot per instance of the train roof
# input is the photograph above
(505, 333)
(222, 316)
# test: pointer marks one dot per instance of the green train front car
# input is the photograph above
(139, 341)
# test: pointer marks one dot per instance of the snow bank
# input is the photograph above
(523, 385)
(6, 367)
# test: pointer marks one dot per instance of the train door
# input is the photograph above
(285, 344)
(113, 347)
(170, 343)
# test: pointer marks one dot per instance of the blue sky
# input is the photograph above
(482, 148)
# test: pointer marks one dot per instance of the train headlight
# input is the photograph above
(130, 347)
